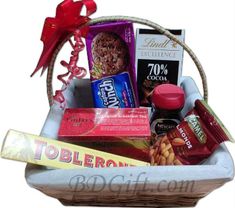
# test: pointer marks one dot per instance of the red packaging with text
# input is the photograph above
(124, 132)
(193, 140)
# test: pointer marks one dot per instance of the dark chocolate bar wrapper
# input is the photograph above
(158, 61)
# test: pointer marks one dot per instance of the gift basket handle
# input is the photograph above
(134, 20)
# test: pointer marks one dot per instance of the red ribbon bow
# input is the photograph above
(67, 20)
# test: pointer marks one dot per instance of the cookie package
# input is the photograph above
(111, 56)
(114, 92)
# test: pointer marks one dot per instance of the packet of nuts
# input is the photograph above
(193, 140)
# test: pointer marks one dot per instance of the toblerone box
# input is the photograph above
(48, 152)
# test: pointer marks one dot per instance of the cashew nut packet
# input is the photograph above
(52, 153)
(193, 140)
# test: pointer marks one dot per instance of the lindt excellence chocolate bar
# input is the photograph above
(48, 152)
(158, 60)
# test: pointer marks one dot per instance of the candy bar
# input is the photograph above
(158, 61)
(47, 152)
(113, 92)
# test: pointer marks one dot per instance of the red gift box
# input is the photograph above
(124, 132)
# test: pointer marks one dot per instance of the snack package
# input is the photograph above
(113, 92)
(110, 49)
(124, 131)
(158, 60)
(193, 140)
(47, 152)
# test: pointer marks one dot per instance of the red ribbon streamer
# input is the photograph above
(55, 30)
(73, 69)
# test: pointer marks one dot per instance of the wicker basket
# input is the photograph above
(167, 186)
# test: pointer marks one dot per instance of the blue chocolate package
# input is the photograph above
(113, 92)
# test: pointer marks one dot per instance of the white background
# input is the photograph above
(210, 32)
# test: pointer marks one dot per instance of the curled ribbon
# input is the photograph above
(68, 18)
(74, 71)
